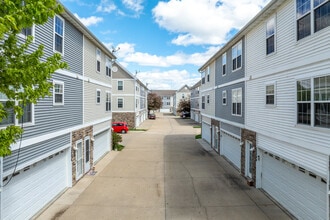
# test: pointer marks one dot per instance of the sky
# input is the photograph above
(164, 43)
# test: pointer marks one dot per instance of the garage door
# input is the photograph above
(101, 145)
(35, 186)
(206, 132)
(230, 148)
(298, 190)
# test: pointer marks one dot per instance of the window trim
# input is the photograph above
(108, 66)
(224, 97)
(203, 102)
(107, 101)
(21, 35)
(118, 103)
(208, 69)
(272, 35)
(208, 98)
(274, 94)
(232, 102)
(121, 86)
(98, 97)
(60, 83)
(237, 45)
(54, 35)
(224, 64)
(98, 57)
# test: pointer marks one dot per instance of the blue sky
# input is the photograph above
(164, 42)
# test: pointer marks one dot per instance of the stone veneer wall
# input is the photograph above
(77, 135)
(247, 135)
(128, 117)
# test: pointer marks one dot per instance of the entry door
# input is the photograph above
(216, 138)
(248, 158)
(79, 160)
(87, 155)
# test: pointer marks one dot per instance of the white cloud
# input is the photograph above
(93, 20)
(135, 5)
(106, 6)
(172, 79)
(128, 54)
(204, 21)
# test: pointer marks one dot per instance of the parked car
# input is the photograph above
(152, 116)
(120, 127)
(185, 114)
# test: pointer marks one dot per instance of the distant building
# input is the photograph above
(195, 112)
(167, 99)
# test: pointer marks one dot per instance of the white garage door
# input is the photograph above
(34, 187)
(299, 191)
(101, 145)
(206, 132)
(230, 148)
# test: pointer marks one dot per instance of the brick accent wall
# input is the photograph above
(247, 135)
(129, 117)
(77, 135)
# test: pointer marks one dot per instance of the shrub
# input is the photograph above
(116, 139)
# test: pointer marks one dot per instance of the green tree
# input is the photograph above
(154, 101)
(24, 76)
(184, 106)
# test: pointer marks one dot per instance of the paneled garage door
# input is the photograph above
(206, 132)
(230, 148)
(298, 190)
(35, 186)
(101, 145)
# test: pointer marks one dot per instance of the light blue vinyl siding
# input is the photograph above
(36, 150)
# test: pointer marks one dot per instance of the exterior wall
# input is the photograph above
(129, 103)
(251, 136)
(128, 117)
(129, 86)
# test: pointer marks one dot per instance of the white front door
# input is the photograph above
(87, 155)
(248, 158)
(79, 160)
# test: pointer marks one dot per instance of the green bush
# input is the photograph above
(198, 136)
(116, 139)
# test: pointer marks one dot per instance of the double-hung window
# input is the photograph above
(58, 93)
(224, 97)
(313, 102)
(120, 102)
(107, 101)
(108, 67)
(224, 64)
(208, 99)
(208, 73)
(312, 15)
(98, 60)
(203, 77)
(98, 96)
(236, 100)
(270, 36)
(120, 85)
(270, 94)
(237, 56)
(58, 34)
(10, 119)
(203, 102)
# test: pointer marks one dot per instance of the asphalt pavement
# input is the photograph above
(163, 173)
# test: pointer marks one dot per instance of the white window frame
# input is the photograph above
(107, 101)
(224, 97)
(224, 64)
(203, 102)
(120, 98)
(24, 36)
(98, 96)
(121, 86)
(235, 99)
(271, 24)
(55, 33)
(208, 99)
(108, 66)
(269, 94)
(237, 47)
(208, 71)
(54, 93)
(98, 60)
(80, 159)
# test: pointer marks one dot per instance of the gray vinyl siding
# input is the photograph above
(34, 151)
(231, 128)
(49, 118)
(230, 74)
(225, 111)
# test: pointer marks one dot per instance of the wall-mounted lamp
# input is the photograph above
(241, 143)
(92, 139)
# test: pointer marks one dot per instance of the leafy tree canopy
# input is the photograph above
(154, 101)
(24, 76)
(184, 106)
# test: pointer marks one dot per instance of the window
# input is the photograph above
(320, 16)
(58, 93)
(98, 96)
(313, 104)
(203, 77)
(98, 60)
(203, 102)
(10, 120)
(120, 102)
(108, 101)
(27, 32)
(224, 97)
(59, 34)
(224, 63)
(120, 85)
(208, 73)
(270, 36)
(182, 96)
(108, 68)
(236, 101)
(208, 99)
(87, 150)
(270, 94)
(237, 56)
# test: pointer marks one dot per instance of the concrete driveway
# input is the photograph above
(164, 173)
